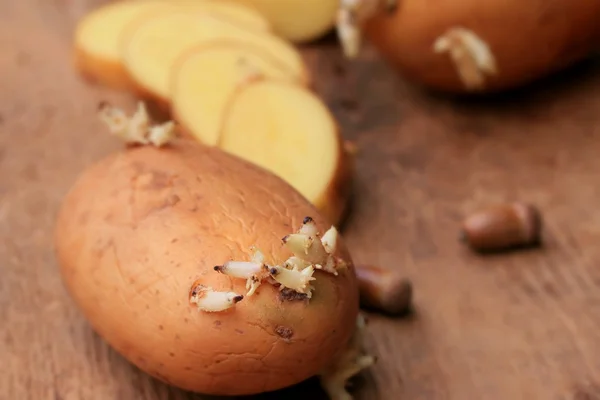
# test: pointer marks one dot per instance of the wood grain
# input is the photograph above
(522, 325)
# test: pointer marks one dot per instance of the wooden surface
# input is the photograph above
(516, 326)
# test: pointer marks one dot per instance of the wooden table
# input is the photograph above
(524, 325)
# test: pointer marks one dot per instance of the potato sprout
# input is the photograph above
(307, 247)
(351, 15)
(295, 262)
(254, 271)
(329, 240)
(348, 364)
(210, 300)
(308, 227)
(295, 279)
(471, 56)
(137, 128)
(310, 253)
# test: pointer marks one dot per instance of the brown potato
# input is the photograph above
(141, 228)
(476, 46)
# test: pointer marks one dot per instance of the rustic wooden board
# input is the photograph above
(517, 326)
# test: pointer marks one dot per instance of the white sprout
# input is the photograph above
(137, 128)
(295, 262)
(239, 269)
(209, 300)
(348, 364)
(306, 246)
(254, 271)
(309, 227)
(159, 135)
(350, 17)
(296, 273)
(471, 56)
(293, 278)
(257, 255)
(329, 240)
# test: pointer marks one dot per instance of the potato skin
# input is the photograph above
(528, 42)
(142, 225)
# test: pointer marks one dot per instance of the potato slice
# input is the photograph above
(290, 132)
(152, 46)
(96, 42)
(297, 20)
(206, 78)
(237, 13)
(98, 34)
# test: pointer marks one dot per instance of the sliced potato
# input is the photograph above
(96, 41)
(297, 20)
(236, 13)
(98, 34)
(290, 132)
(152, 46)
(205, 78)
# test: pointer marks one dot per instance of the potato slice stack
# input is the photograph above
(229, 80)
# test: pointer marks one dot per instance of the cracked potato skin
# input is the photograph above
(142, 225)
(528, 42)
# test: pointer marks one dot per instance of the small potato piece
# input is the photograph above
(98, 34)
(204, 80)
(297, 20)
(137, 239)
(476, 46)
(502, 227)
(152, 46)
(384, 289)
(289, 131)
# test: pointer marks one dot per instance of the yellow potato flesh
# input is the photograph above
(152, 48)
(206, 79)
(297, 20)
(287, 130)
(239, 14)
(98, 34)
(97, 39)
